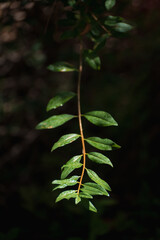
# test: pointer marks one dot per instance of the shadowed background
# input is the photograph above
(127, 86)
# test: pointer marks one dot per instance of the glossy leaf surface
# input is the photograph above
(102, 143)
(94, 189)
(92, 207)
(94, 177)
(59, 100)
(64, 140)
(109, 4)
(69, 182)
(62, 67)
(85, 195)
(66, 195)
(54, 121)
(123, 27)
(77, 199)
(99, 158)
(100, 118)
(70, 166)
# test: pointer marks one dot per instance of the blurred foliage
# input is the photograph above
(127, 86)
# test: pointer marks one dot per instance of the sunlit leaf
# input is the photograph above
(69, 181)
(123, 27)
(94, 177)
(64, 140)
(77, 199)
(85, 195)
(69, 167)
(99, 158)
(92, 207)
(102, 144)
(66, 195)
(94, 189)
(100, 118)
(109, 4)
(54, 121)
(62, 67)
(59, 100)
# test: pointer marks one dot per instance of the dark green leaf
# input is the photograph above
(68, 167)
(99, 158)
(54, 121)
(66, 195)
(123, 27)
(92, 207)
(100, 42)
(59, 100)
(102, 144)
(94, 189)
(112, 21)
(92, 59)
(94, 177)
(64, 140)
(109, 4)
(62, 67)
(100, 118)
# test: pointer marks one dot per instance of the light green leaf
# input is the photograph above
(102, 144)
(62, 67)
(68, 167)
(64, 140)
(123, 27)
(99, 158)
(109, 4)
(69, 181)
(92, 207)
(66, 195)
(59, 100)
(94, 177)
(92, 59)
(54, 121)
(94, 189)
(85, 195)
(100, 118)
(77, 199)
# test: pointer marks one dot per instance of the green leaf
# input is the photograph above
(66, 195)
(112, 20)
(92, 59)
(102, 144)
(85, 195)
(64, 140)
(69, 182)
(94, 177)
(100, 118)
(123, 27)
(69, 166)
(92, 207)
(54, 121)
(59, 100)
(77, 199)
(94, 189)
(100, 42)
(62, 67)
(109, 4)
(99, 158)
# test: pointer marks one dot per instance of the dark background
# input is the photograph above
(127, 86)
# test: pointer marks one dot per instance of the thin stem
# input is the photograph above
(102, 26)
(79, 116)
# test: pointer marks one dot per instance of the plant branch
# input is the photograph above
(79, 116)
(102, 26)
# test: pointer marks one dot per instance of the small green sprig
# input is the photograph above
(84, 24)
